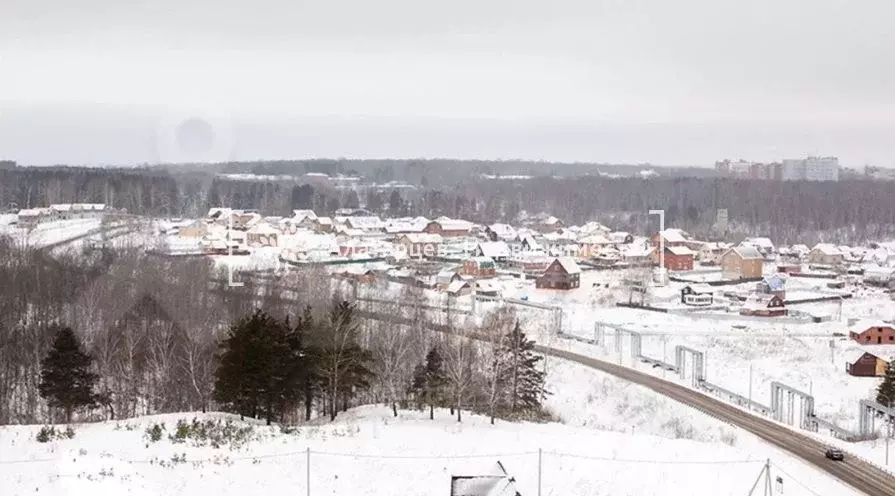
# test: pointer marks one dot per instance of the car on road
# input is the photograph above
(835, 454)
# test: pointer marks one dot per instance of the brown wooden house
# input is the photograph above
(563, 273)
(866, 365)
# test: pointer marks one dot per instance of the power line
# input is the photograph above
(423, 457)
(656, 462)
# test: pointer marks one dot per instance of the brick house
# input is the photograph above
(677, 258)
(872, 333)
(480, 267)
(742, 262)
(449, 228)
(563, 273)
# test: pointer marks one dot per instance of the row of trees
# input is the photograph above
(156, 331)
(786, 211)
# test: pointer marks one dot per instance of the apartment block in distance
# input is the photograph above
(811, 169)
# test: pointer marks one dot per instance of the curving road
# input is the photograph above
(853, 471)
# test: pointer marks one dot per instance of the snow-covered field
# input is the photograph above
(50, 232)
(804, 355)
(617, 439)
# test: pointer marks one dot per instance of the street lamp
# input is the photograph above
(661, 214)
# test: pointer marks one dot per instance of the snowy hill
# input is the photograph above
(366, 451)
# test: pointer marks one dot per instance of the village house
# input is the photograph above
(620, 238)
(530, 262)
(480, 267)
(763, 305)
(607, 257)
(420, 245)
(300, 215)
(528, 243)
(676, 258)
(590, 245)
(764, 246)
(563, 273)
(498, 232)
(262, 234)
(498, 251)
(218, 215)
(323, 225)
(243, 221)
(671, 237)
(870, 332)
(860, 363)
(461, 287)
(196, 229)
(448, 228)
(31, 217)
(636, 255)
(68, 211)
(368, 224)
(878, 276)
(406, 225)
(825, 254)
(773, 284)
(742, 262)
(697, 295)
(709, 253)
(549, 224)
(445, 277)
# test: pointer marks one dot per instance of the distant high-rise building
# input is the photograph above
(811, 169)
(7, 164)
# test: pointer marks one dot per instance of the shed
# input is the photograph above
(697, 295)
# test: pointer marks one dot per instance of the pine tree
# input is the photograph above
(66, 381)
(885, 393)
(429, 381)
(309, 377)
(525, 380)
(260, 367)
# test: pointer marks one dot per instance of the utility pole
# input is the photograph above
(308, 472)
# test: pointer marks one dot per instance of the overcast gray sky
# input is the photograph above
(684, 82)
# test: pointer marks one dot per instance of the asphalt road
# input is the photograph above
(859, 474)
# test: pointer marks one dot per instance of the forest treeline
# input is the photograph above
(845, 211)
(152, 335)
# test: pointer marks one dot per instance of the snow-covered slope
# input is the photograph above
(368, 452)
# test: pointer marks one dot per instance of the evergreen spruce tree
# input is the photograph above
(259, 367)
(885, 393)
(309, 374)
(525, 379)
(429, 381)
(66, 381)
